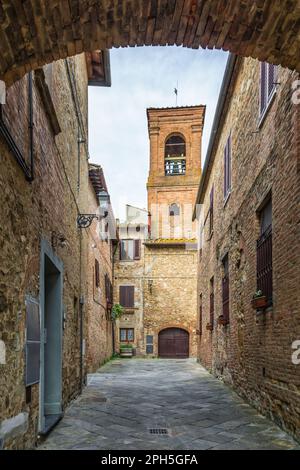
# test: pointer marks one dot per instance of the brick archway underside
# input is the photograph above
(36, 32)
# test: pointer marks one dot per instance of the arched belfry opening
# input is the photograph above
(175, 155)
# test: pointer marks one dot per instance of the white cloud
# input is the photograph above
(141, 78)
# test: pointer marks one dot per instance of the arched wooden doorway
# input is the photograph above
(173, 343)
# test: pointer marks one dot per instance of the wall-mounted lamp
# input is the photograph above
(85, 220)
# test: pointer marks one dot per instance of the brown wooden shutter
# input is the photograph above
(131, 296)
(211, 211)
(97, 273)
(200, 316)
(122, 295)
(225, 170)
(137, 249)
(227, 167)
(127, 296)
(107, 288)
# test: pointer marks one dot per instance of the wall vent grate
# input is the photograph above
(159, 431)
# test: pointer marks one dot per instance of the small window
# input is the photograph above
(97, 273)
(227, 168)
(126, 335)
(33, 346)
(175, 156)
(211, 212)
(264, 253)
(127, 296)
(268, 76)
(200, 315)
(130, 250)
(225, 289)
(174, 210)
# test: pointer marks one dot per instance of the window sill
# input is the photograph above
(129, 310)
(129, 260)
(263, 115)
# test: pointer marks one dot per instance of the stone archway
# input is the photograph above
(35, 33)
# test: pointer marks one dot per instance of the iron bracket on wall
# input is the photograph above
(85, 220)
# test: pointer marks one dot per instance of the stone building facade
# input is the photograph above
(44, 182)
(129, 267)
(163, 275)
(99, 282)
(249, 227)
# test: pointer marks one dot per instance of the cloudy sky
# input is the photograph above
(142, 78)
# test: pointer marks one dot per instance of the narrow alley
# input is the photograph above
(162, 404)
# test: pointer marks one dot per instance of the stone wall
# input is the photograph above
(131, 273)
(170, 292)
(253, 352)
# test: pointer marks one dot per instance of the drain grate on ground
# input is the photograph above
(159, 431)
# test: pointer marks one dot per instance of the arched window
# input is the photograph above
(174, 210)
(175, 154)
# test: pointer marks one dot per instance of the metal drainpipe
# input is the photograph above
(81, 315)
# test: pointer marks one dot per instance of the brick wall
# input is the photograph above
(170, 292)
(45, 209)
(253, 352)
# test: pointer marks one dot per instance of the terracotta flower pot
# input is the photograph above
(259, 302)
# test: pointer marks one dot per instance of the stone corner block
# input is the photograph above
(13, 427)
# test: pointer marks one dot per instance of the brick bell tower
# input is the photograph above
(175, 169)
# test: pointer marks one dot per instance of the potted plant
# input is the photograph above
(259, 300)
(222, 320)
(126, 350)
(209, 326)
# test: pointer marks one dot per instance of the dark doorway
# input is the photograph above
(173, 343)
(51, 376)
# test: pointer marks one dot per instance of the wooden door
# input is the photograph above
(173, 343)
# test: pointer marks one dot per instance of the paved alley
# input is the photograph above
(162, 405)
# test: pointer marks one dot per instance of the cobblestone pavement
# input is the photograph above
(128, 398)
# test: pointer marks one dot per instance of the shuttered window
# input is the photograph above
(225, 289)
(227, 168)
(97, 273)
(211, 211)
(200, 315)
(268, 77)
(264, 253)
(130, 250)
(127, 296)
(33, 341)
